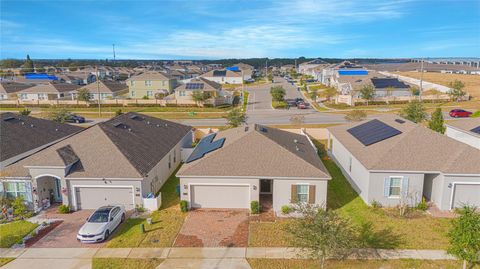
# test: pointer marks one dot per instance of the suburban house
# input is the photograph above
(392, 161)
(231, 168)
(8, 90)
(465, 130)
(387, 87)
(304, 67)
(149, 84)
(120, 161)
(184, 92)
(224, 76)
(22, 136)
(105, 89)
(49, 91)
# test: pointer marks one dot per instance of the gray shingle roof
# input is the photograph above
(465, 124)
(259, 152)
(19, 134)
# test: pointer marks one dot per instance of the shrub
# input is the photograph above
(476, 114)
(184, 206)
(286, 209)
(63, 209)
(20, 208)
(25, 112)
(139, 208)
(254, 207)
(422, 205)
(118, 112)
(375, 204)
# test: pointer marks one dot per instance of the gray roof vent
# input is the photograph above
(295, 141)
(31, 125)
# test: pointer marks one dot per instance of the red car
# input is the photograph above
(460, 113)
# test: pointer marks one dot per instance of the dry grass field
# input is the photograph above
(472, 82)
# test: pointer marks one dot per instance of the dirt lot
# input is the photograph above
(472, 82)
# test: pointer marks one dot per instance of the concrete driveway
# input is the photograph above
(65, 235)
(214, 228)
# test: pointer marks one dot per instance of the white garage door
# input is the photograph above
(220, 196)
(95, 197)
(466, 194)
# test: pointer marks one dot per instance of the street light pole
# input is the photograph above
(421, 80)
(98, 92)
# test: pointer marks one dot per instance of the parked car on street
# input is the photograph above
(299, 100)
(302, 105)
(75, 118)
(460, 113)
(291, 102)
(101, 224)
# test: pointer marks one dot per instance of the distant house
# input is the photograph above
(50, 91)
(8, 90)
(465, 130)
(232, 168)
(150, 83)
(390, 160)
(22, 136)
(105, 89)
(184, 92)
(304, 67)
(224, 76)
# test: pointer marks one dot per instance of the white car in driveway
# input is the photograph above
(101, 224)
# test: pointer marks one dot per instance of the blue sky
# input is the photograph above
(239, 29)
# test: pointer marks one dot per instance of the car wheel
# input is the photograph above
(77, 121)
(107, 234)
(122, 219)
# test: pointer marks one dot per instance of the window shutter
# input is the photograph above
(386, 187)
(311, 194)
(293, 196)
(405, 187)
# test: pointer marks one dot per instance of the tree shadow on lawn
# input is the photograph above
(380, 239)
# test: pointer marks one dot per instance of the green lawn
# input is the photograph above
(358, 264)
(166, 223)
(13, 232)
(279, 104)
(4, 261)
(381, 228)
(119, 263)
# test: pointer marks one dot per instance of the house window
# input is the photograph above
(181, 93)
(148, 83)
(302, 193)
(395, 186)
(175, 156)
(23, 96)
(42, 96)
(169, 161)
(350, 164)
(132, 93)
(16, 189)
(150, 93)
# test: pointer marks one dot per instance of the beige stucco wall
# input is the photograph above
(282, 192)
(138, 89)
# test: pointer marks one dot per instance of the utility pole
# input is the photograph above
(266, 70)
(421, 80)
(113, 45)
(98, 92)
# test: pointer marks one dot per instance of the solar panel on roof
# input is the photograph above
(381, 83)
(219, 73)
(372, 132)
(205, 146)
(194, 86)
(476, 130)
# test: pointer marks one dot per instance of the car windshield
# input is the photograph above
(99, 216)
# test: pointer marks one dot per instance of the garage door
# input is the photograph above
(220, 196)
(466, 194)
(95, 197)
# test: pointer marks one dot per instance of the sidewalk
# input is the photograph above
(209, 253)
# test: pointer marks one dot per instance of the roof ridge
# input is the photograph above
(292, 153)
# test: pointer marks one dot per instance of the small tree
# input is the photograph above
(356, 115)
(464, 236)
(329, 93)
(28, 65)
(83, 95)
(436, 121)
(278, 93)
(19, 207)
(59, 116)
(414, 111)
(367, 92)
(322, 234)
(415, 91)
(235, 117)
(313, 95)
(200, 96)
(456, 90)
(25, 112)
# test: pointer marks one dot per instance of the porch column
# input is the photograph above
(65, 191)
(35, 199)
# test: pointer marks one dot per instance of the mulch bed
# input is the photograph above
(42, 233)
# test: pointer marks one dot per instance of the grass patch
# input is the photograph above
(269, 234)
(347, 264)
(4, 261)
(13, 232)
(279, 104)
(166, 222)
(120, 263)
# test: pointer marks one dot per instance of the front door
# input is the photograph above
(57, 194)
(266, 186)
